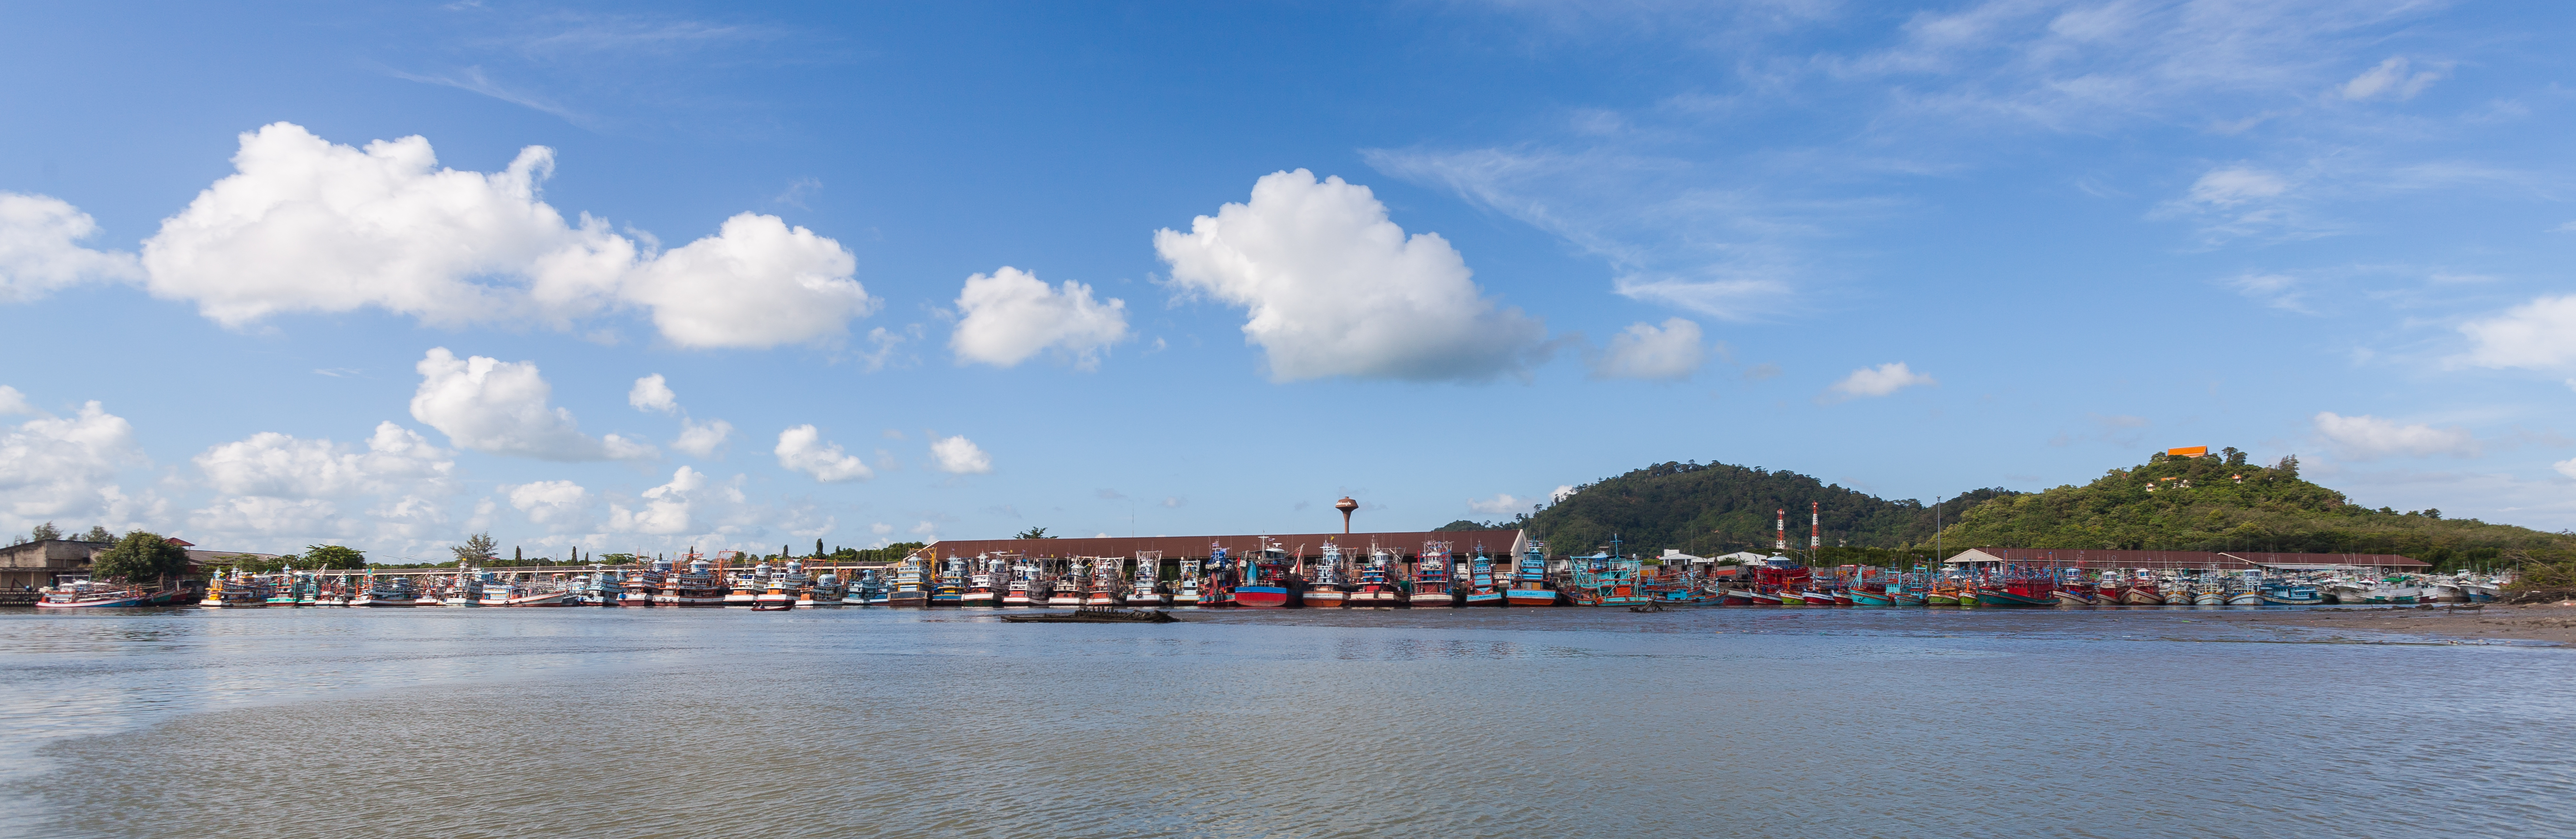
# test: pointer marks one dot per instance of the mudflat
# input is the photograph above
(2552, 622)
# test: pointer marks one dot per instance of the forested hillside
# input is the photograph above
(2220, 502)
(2217, 502)
(1716, 508)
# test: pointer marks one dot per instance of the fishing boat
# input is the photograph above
(1865, 597)
(1268, 582)
(1193, 584)
(1907, 589)
(949, 587)
(743, 588)
(1067, 590)
(635, 588)
(1433, 577)
(1529, 585)
(2072, 590)
(1103, 588)
(2017, 586)
(827, 591)
(94, 594)
(1485, 584)
(2288, 593)
(911, 585)
(775, 594)
(597, 588)
(695, 586)
(1377, 587)
(1608, 579)
(987, 577)
(1220, 577)
(2141, 590)
(392, 592)
(1326, 585)
(1146, 587)
(1024, 583)
(868, 590)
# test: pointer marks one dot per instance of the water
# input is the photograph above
(1550, 722)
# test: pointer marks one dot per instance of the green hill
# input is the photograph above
(1719, 508)
(2221, 503)
(2213, 503)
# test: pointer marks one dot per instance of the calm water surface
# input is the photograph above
(1544, 722)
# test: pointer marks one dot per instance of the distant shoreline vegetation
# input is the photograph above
(2215, 502)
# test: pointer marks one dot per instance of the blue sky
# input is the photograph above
(386, 275)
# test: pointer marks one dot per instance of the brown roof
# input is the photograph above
(1496, 542)
(2221, 560)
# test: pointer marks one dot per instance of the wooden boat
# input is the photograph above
(1196, 576)
(949, 588)
(911, 586)
(1103, 588)
(826, 592)
(1529, 584)
(1485, 583)
(778, 594)
(987, 578)
(90, 594)
(2291, 594)
(1862, 597)
(1067, 590)
(1024, 583)
(393, 592)
(1146, 587)
(696, 587)
(2018, 587)
(742, 588)
(1269, 580)
(1327, 583)
(635, 588)
(1435, 575)
(1377, 586)
(1096, 616)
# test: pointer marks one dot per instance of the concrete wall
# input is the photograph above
(38, 564)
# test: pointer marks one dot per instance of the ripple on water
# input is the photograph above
(330, 723)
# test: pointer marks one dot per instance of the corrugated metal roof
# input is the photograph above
(1498, 543)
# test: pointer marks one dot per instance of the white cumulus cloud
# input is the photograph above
(702, 438)
(803, 449)
(65, 467)
(305, 225)
(499, 407)
(12, 402)
(1645, 351)
(1878, 381)
(1012, 315)
(665, 509)
(1333, 288)
(563, 506)
(277, 487)
(40, 248)
(960, 456)
(2368, 438)
(1501, 503)
(2539, 335)
(651, 393)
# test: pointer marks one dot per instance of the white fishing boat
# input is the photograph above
(1146, 589)
(1068, 586)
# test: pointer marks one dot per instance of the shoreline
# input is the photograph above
(2553, 623)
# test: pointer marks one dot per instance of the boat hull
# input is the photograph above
(1530, 597)
(1261, 597)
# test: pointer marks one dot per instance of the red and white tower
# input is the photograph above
(1815, 526)
(1781, 542)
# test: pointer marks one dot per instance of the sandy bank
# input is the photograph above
(2554, 622)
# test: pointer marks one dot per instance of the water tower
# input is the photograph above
(1346, 505)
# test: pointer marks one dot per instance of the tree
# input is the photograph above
(1033, 533)
(43, 532)
(477, 548)
(98, 533)
(141, 556)
(818, 550)
(334, 556)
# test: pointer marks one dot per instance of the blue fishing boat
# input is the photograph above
(1484, 585)
(1268, 583)
(1530, 585)
(2286, 593)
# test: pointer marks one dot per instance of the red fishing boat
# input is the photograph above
(1269, 582)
